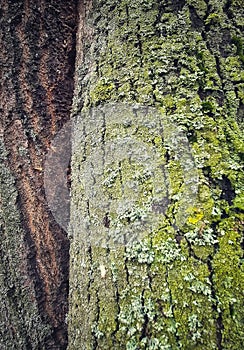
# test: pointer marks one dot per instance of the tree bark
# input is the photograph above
(171, 64)
(37, 65)
(156, 256)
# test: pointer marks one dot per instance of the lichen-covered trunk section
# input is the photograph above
(178, 286)
(37, 66)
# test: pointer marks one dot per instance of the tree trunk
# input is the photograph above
(37, 65)
(156, 258)
(156, 207)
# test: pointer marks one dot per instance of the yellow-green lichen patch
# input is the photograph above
(166, 286)
(191, 290)
(228, 280)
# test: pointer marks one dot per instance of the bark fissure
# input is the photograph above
(215, 305)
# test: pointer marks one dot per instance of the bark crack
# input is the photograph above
(215, 305)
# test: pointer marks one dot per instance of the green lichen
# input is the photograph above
(228, 279)
(166, 288)
(237, 41)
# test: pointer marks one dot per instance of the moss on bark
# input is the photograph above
(179, 287)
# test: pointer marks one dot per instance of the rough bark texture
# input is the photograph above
(37, 65)
(180, 286)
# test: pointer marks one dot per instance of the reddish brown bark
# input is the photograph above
(37, 65)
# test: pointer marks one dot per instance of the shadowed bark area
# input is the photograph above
(37, 61)
(179, 286)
